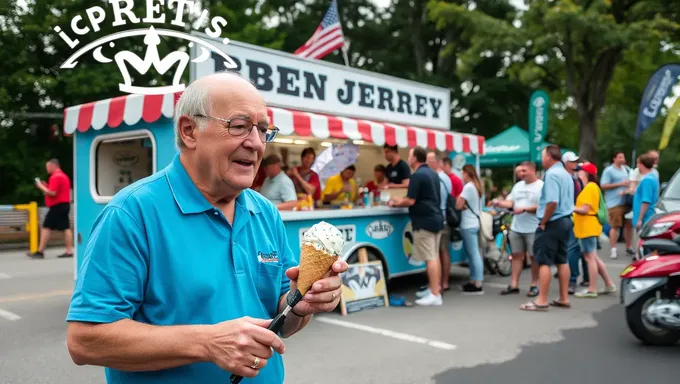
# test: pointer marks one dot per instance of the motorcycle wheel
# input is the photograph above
(647, 333)
(504, 264)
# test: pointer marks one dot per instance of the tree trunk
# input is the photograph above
(419, 19)
(587, 123)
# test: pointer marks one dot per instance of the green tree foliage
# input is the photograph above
(575, 45)
(593, 57)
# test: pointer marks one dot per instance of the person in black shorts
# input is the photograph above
(555, 208)
(57, 218)
(398, 172)
(57, 193)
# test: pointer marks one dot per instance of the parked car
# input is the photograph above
(669, 200)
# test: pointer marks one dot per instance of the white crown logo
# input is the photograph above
(127, 60)
(151, 58)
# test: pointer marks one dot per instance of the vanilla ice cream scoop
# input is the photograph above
(325, 237)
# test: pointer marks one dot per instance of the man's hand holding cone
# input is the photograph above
(324, 295)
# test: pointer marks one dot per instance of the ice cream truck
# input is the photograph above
(314, 104)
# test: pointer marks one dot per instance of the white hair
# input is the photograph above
(195, 100)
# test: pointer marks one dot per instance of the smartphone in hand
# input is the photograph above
(37, 180)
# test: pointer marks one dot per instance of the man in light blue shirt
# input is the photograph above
(555, 208)
(278, 187)
(614, 183)
(185, 268)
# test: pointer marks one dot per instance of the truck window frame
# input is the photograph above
(112, 137)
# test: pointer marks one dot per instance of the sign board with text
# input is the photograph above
(288, 81)
(363, 287)
(539, 105)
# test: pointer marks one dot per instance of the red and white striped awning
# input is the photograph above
(132, 109)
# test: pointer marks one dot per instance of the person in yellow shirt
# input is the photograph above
(587, 229)
(338, 185)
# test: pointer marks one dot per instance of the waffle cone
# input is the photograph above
(314, 264)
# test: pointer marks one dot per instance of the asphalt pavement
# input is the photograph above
(480, 339)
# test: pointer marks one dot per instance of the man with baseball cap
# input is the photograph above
(571, 164)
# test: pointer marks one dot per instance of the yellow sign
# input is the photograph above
(669, 124)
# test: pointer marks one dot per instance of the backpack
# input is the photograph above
(452, 215)
(485, 223)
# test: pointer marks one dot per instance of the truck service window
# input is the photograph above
(119, 162)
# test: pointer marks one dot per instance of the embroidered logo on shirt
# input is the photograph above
(267, 257)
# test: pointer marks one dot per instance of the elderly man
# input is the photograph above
(555, 227)
(278, 187)
(172, 288)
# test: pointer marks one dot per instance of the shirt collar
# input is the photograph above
(556, 165)
(245, 200)
(187, 196)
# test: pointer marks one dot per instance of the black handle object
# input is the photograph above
(276, 324)
(293, 299)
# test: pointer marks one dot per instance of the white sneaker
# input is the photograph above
(614, 254)
(423, 293)
(430, 300)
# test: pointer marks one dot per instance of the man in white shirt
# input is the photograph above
(636, 176)
(523, 200)
(278, 187)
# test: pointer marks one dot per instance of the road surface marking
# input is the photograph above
(388, 333)
(36, 296)
(9, 315)
(4, 276)
(494, 285)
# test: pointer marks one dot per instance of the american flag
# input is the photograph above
(327, 38)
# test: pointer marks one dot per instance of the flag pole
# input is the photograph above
(344, 49)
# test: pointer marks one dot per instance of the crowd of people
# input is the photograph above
(285, 186)
(557, 221)
(623, 198)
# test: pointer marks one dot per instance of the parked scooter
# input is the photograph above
(497, 255)
(650, 292)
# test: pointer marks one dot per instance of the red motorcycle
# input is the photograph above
(650, 292)
(663, 225)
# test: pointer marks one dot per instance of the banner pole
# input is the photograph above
(344, 53)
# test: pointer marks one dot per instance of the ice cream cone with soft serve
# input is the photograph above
(320, 248)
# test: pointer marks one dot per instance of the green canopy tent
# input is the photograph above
(506, 149)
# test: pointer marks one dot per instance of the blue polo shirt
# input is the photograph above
(558, 187)
(161, 254)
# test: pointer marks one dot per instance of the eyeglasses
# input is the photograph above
(240, 127)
